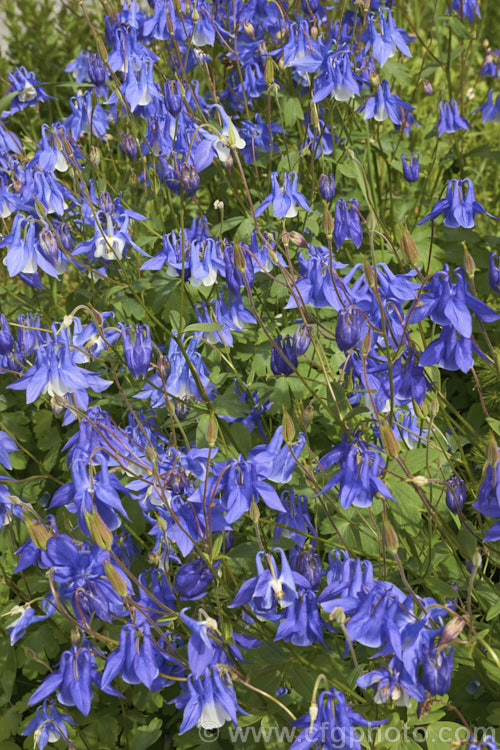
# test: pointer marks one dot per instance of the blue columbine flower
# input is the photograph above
(347, 224)
(284, 199)
(459, 206)
(384, 104)
(466, 9)
(390, 39)
(296, 515)
(134, 659)
(137, 354)
(73, 679)
(411, 169)
(359, 474)
(29, 91)
(450, 119)
(488, 499)
(333, 726)
(208, 701)
(338, 80)
(49, 725)
(348, 328)
(490, 111)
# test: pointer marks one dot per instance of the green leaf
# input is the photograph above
(144, 737)
(292, 111)
(8, 670)
(6, 100)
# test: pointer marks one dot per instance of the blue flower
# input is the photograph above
(48, 725)
(359, 474)
(73, 679)
(488, 499)
(347, 225)
(326, 186)
(28, 90)
(338, 80)
(466, 9)
(348, 328)
(390, 38)
(450, 120)
(302, 624)
(490, 112)
(296, 515)
(208, 701)
(333, 726)
(459, 206)
(134, 659)
(437, 667)
(137, 354)
(411, 169)
(284, 200)
(385, 104)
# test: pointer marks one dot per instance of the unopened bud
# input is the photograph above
(451, 631)
(98, 531)
(470, 266)
(164, 366)
(298, 239)
(408, 247)
(314, 116)
(254, 512)
(369, 274)
(269, 71)
(117, 582)
(327, 223)
(389, 440)
(366, 345)
(249, 29)
(229, 163)
(288, 427)
(212, 431)
(75, 637)
(434, 407)
(427, 87)
(371, 223)
(338, 615)
(195, 15)
(476, 559)
(39, 533)
(419, 480)
(391, 538)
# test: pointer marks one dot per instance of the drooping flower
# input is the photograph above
(411, 169)
(459, 206)
(385, 104)
(450, 119)
(284, 199)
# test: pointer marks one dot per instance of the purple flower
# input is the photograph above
(385, 104)
(459, 206)
(450, 120)
(347, 225)
(284, 200)
(411, 169)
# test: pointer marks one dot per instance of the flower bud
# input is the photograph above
(470, 266)
(98, 531)
(269, 71)
(164, 366)
(105, 203)
(249, 29)
(451, 630)
(326, 186)
(408, 247)
(39, 533)
(254, 512)
(173, 97)
(117, 582)
(302, 339)
(298, 239)
(391, 538)
(348, 328)
(212, 431)
(229, 163)
(476, 559)
(389, 440)
(455, 494)
(288, 427)
(190, 179)
(48, 243)
(128, 145)
(338, 615)
(95, 156)
(64, 234)
(427, 87)
(97, 71)
(327, 223)
(307, 562)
